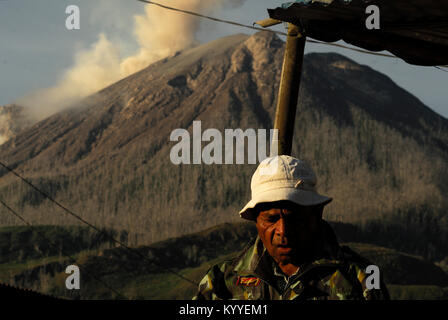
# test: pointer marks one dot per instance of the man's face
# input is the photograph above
(288, 231)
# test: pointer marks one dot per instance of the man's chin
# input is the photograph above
(287, 255)
(284, 255)
(284, 251)
(284, 260)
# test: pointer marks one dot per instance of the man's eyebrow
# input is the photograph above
(271, 213)
(268, 211)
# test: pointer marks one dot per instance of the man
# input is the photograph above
(296, 254)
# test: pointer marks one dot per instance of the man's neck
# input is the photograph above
(288, 269)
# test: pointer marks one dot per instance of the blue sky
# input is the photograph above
(37, 48)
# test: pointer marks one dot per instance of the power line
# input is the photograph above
(442, 68)
(210, 18)
(58, 248)
(256, 28)
(70, 212)
(353, 49)
(263, 29)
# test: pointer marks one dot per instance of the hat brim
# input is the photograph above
(298, 196)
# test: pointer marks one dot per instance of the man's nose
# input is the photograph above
(282, 227)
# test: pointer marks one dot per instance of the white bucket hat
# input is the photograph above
(283, 178)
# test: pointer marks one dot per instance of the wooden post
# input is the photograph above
(289, 89)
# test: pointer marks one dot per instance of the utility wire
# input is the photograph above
(256, 28)
(210, 18)
(442, 68)
(58, 248)
(353, 49)
(94, 227)
(263, 29)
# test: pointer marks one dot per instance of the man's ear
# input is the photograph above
(255, 216)
(319, 210)
(254, 212)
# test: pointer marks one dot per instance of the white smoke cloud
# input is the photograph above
(5, 133)
(93, 69)
(4, 128)
(159, 34)
(12, 120)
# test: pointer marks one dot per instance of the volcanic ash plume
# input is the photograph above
(159, 33)
(93, 70)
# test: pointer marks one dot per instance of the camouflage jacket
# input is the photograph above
(338, 274)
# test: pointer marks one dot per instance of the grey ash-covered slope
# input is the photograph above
(378, 150)
(169, 94)
(231, 82)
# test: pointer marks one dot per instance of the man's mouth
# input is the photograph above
(284, 249)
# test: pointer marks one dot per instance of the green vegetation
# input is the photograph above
(410, 277)
(22, 244)
(414, 232)
(400, 292)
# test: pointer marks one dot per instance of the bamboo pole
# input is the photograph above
(289, 89)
